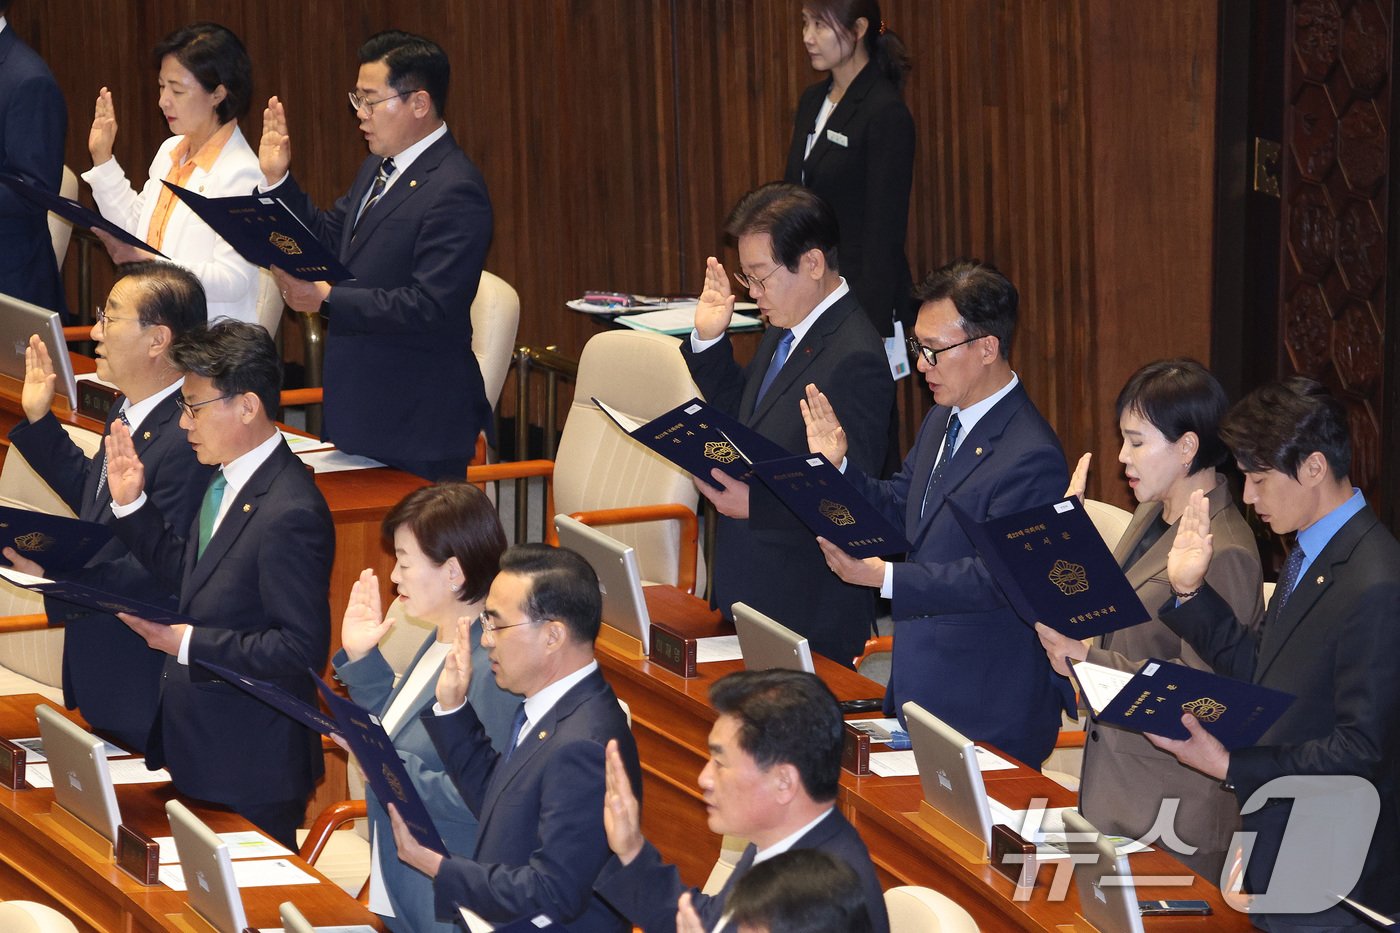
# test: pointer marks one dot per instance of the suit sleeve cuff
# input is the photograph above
(887, 588)
(699, 345)
(184, 655)
(122, 511)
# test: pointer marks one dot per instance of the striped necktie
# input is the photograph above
(376, 191)
(102, 474)
(950, 441)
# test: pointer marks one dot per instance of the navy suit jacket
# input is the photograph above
(33, 122)
(866, 182)
(260, 594)
(960, 649)
(1334, 646)
(541, 842)
(370, 681)
(109, 673)
(406, 316)
(842, 354)
(646, 891)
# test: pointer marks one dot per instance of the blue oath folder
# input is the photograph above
(73, 212)
(367, 739)
(55, 542)
(698, 439)
(93, 598)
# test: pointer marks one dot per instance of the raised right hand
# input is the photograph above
(39, 380)
(456, 673)
(104, 128)
(687, 920)
(1189, 558)
(622, 816)
(364, 623)
(126, 477)
(716, 306)
(824, 432)
(1079, 480)
(275, 149)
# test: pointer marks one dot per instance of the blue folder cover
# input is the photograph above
(698, 439)
(266, 233)
(279, 699)
(55, 542)
(382, 766)
(93, 598)
(1054, 567)
(827, 503)
(1235, 712)
(73, 212)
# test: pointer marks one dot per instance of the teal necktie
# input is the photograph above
(209, 511)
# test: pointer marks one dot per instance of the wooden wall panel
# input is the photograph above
(1069, 141)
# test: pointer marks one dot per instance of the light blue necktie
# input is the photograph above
(209, 511)
(516, 725)
(779, 358)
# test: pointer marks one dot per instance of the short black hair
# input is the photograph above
(170, 295)
(452, 520)
(986, 300)
(215, 56)
(236, 357)
(414, 63)
(800, 891)
(1176, 396)
(786, 717)
(795, 218)
(1278, 426)
(562, 586)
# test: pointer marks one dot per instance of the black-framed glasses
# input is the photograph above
(752, 284)
(489, 627)
(358, 103)
(103, 318)
(929, 354)
(187, 409)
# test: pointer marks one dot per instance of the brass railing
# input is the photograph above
(554, 366)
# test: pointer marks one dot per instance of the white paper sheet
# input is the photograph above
(35, 747)
(894, 764)
(679, 321)
(124, 771)
(247, 844)
(717, 648)
(878, 729)
(337, 461)
(259, 873)
(1100, 684)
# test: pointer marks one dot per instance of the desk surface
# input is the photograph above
(671, 720)
(40, 861)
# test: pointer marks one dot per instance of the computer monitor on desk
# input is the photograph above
(1107, 898)
(208, 869)
(20, 320)
(615, 563)
(767, 644)
(952, 782)
(82, 778)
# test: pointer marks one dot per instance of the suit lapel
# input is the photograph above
(429, 685)
(840, 116)
(410, 182)
(240, 512)
(803, 355)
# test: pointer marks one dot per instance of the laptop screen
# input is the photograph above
(19, 320)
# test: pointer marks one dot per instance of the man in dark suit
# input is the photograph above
(1331, 637)
(414, 229)
(108, 672)
(960, 650)
(541, 842)
(764, 556)
(253, 571)
(772, 778)
(33, 122)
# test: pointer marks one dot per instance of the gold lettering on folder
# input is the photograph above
(1069, 578)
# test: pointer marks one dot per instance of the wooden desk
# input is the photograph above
(671, 719)
(40, 861)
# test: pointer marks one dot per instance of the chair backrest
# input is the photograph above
(924, 910)
(269, 303)
(21, 486)
(495, 321)
(29, 917)
(60, 230)
(731, 849)
(1109, 520)
(1269, 593)
(598, 466)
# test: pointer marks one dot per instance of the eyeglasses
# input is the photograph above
(104, 318)
(358, 103)
(488, 627)
(752, 284)
(929, 354)
(188, 409)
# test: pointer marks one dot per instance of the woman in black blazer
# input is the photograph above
(853, 144)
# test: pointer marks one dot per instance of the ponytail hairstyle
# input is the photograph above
(887, 52)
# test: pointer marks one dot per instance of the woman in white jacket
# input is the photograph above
(206, 84)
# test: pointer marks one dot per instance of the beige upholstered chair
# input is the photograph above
(269, 303)
(924, 910)
(731, 849)
(603, 477)
(495, 321)
(60, 230)
(1110, 520)
(29, 917)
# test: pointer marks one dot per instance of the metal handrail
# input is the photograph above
(555, 366)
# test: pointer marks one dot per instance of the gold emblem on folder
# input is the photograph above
(1069, 578)
(285, 243)
(836, 513)
(34, 541)
(720, 452)
(1205, 709)
(393, 782)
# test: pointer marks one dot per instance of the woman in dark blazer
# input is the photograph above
(1168, 413)
(853, 144)
(447, 544)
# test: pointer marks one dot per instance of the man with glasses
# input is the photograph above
(764, 555)
(960, 650)
(413, 229)
(108, 672)
(540, 804)
(253, 570)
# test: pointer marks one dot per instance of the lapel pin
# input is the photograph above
(543, 735)
(247, 507)
(413, 183)
(146, 435)
(1319, 581)
(979, 451)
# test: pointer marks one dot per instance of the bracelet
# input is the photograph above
(1185, 596)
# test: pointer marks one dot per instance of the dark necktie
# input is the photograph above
(1289, 578)
(516, 725)
(376, 191)
(950, 440)
(209, 511)
(102, 474)
(779, 358)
